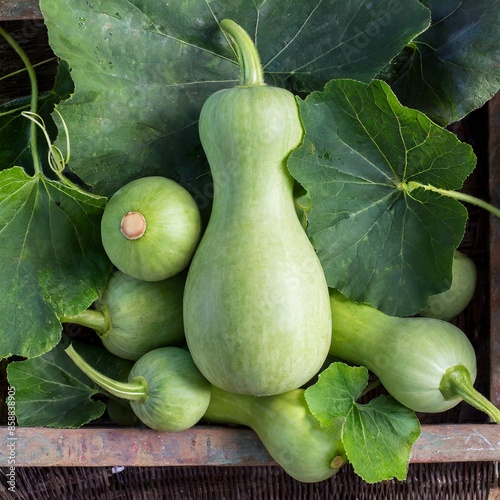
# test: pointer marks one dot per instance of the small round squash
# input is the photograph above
(150, 228)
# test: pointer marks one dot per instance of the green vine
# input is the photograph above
(34, 96)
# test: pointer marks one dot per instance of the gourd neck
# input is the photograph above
(251, 73)
(229, 408)
(363, 321)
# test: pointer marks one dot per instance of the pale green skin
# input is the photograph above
(142, 315)
(172, 234)
(451, 302)
(178, 395)
(409, 355)
(289, 431)
(256, 307)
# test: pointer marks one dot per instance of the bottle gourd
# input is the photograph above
(427, 364)
(256, 307)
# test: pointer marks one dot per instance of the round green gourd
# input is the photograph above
(165, 389)
(150, 228)
(448, 304)
(289, 431)
(427, 364)
(256, 309)
(133, 317)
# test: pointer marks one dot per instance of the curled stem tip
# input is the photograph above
(457, 383)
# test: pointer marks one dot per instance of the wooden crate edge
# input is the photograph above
(209, 445)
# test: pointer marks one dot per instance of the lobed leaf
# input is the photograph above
(378, 436)
(453, 67)
(52, 259)
(52, 391)
(380, 242)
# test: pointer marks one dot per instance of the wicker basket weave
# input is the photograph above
(458, 481)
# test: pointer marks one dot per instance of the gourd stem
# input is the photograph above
(90, 318)
(457, 195)
(457, 383)
(134, 390)
(248, 56)
(34, 96)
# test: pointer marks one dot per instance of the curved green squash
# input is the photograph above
(256, 307)
(427, 364)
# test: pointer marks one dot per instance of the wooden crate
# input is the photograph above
(93, 446)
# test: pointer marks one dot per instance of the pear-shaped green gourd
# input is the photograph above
(291, 434)
(256, 307)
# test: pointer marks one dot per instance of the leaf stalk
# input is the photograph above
(457, 195)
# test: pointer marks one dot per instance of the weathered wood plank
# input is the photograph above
(131, 447)
(14, 10)
(457, 443)
(205, 445)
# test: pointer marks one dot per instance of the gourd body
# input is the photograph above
(167, 235)
(142, 315)
(165, 389)
(289, 431)
(256, 308)
(409, 355)
(177, 394)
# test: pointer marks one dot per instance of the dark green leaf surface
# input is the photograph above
(454, 66)
(52, 391)
(378, 436)
(52, 260)
(142, 70)
(378, 242)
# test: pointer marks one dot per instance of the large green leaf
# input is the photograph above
(379, 241)
(52, 259)
(143, 68)
(378, 436)
(52, 391)
(454, 66)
